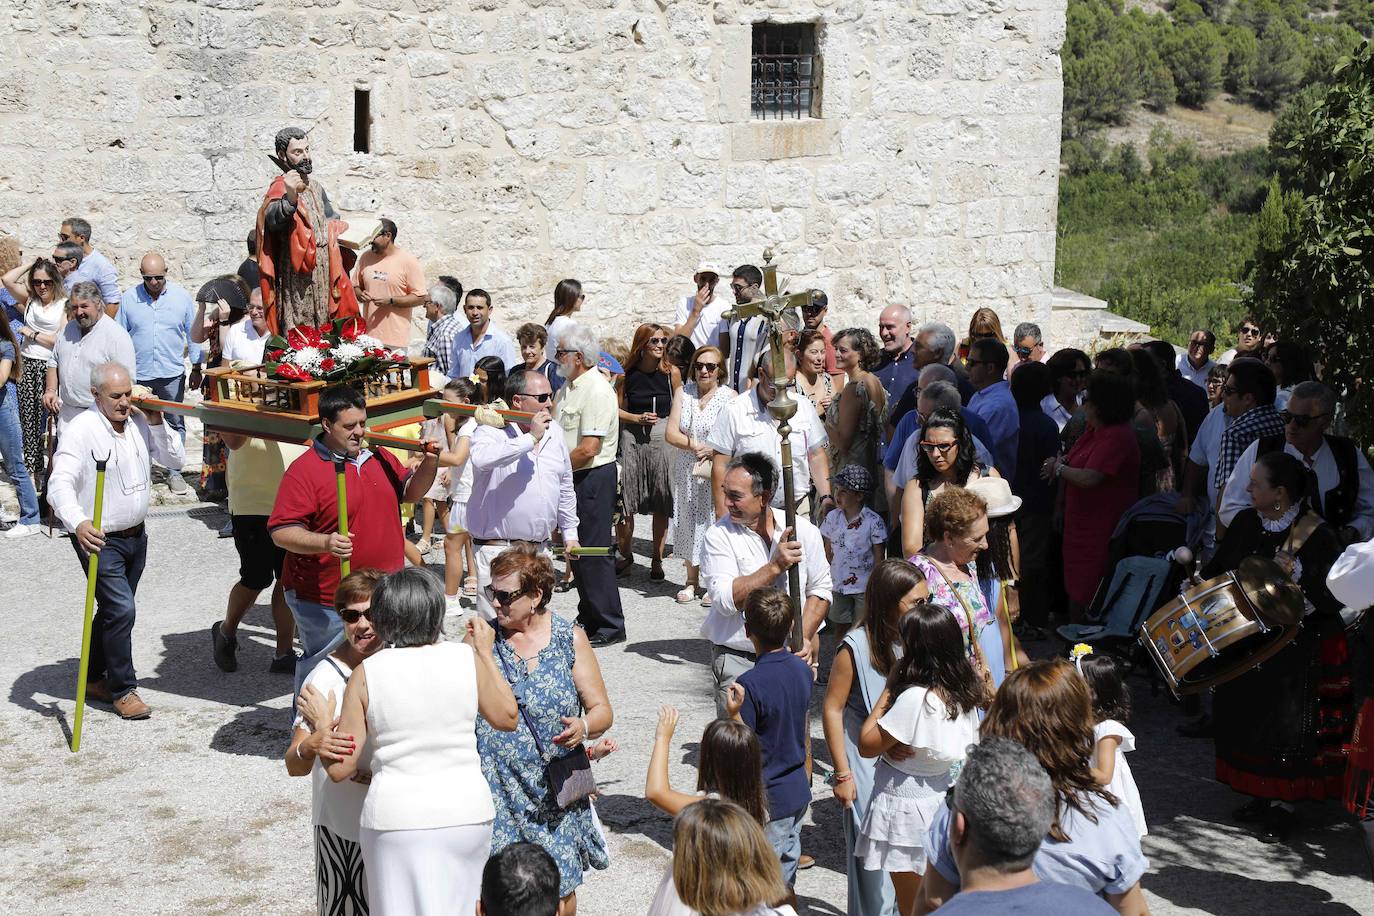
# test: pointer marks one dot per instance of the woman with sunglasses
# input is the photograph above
(696, 406)
(984, 324)
(37, 289)
(1291, 366)
(1069, 375)
(340, 883)
(1249, 341)
(946, 455)
(567, 301)
(552, 670)
(646, 459)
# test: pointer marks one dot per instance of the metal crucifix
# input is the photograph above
(781, 311)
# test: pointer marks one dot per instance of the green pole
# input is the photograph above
(342, 483)
(92, 564)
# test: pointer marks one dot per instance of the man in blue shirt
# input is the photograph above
(987, 370)
(480, 338)
(772, 699)
(158, 315)
(94, 266)
(897, 370)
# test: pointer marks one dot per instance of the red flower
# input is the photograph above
(351, 329)
(292, 372)
(303, 336)
(327, 365)
(327, 328)
(275, 354)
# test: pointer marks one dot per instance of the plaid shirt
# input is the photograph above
(1255, 423)
(439, 343)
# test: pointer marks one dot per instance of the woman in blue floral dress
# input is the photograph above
(554, 675)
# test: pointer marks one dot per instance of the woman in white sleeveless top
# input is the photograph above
(426, 822)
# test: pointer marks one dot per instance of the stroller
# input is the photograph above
(1141, 574)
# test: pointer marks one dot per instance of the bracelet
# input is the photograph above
(586, 729)
(299, 755)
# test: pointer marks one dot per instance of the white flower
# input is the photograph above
(367, 342)
(346, 353)
(306, 357)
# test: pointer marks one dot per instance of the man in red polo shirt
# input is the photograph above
(305, 519)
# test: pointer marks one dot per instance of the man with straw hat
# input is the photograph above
(112, 427)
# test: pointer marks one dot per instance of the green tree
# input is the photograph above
(1279, 65)
(1196, 57)
(1314, 259)
(1241, 48)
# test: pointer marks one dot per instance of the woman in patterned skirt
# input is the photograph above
(37, 291)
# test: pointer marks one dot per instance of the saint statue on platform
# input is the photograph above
(303, 274)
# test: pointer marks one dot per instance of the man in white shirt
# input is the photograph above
(746, 549)
(1196, 362)
(522, 482)
(131, 439)
(1344, 491)
(87, 341)
(698, 315)
(745, 425)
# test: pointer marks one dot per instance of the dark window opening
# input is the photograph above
(786, 71)
(362, 121)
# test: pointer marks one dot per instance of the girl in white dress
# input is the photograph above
(1113, 740)
(922, 724)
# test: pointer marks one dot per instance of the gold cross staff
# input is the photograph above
(781, 312)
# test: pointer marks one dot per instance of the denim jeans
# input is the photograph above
(112, 629)
(170, 389)
(12, 450)
(784, 835)
(320, 631)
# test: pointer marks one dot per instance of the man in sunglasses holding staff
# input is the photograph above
(522, 482)
(1343, 493)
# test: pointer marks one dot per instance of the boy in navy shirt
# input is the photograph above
(772, 698)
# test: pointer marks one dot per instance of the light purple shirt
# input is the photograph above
(520, 492)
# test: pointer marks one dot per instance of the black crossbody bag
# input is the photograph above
(570, 775)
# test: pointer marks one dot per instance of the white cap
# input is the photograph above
(708, 267)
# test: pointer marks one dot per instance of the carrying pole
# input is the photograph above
(92, 566)
(342, 485)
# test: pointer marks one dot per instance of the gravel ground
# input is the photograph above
(191, 811)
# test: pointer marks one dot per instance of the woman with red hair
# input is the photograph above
(646, 458)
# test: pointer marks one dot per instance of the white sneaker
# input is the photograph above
(21, 531)
(453, 606)
(177, 484)
(423, 545)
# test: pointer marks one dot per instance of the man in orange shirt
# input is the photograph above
(390, 284)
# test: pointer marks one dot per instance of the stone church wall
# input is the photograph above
(516, 142)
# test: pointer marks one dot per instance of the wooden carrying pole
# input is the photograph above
(92, 566)
(341, 482)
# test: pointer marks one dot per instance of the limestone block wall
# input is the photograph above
(516, 142)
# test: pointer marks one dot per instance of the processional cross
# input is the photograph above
(781, 311)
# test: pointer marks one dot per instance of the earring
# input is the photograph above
(1277, 506)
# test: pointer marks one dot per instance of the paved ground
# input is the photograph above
(192, 810)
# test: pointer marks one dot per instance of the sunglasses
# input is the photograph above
(541, 398)
(942, 447)
(1303, 421)
(43, 283)
(64, 236)
(1022, 352)
(707, 367)
(813, 309)
(1250, 332)
(149, 278)
(985, 335)
(738, 287)
(501, 598)
(977, 362)
(562, 352)
(1077, 373)
(1229, 390)
(658, 340)
(352, 615)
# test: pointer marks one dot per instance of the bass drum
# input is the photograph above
(1221, 628)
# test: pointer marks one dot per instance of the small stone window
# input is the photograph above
(786, 71)
(362, 121)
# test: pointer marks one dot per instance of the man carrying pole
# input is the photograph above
(305, 519)
(111, 426)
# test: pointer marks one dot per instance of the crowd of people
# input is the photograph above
(955, 498)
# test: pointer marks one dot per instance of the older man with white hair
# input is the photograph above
(115, 431)
(88, 340)
(446, 322)
(588, 413)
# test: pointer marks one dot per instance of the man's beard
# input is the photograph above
(563, 371)
(305, 166)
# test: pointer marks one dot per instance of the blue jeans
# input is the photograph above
(170, 389)
(784, 835)
(12, 450)
(320, 631)
(112, 628)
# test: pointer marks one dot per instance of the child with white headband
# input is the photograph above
(1111, 708)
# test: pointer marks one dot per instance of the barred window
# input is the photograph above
(785, 71)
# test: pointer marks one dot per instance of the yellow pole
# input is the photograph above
(92, 565)
(342, 482)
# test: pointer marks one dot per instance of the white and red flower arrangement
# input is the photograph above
(336, 351)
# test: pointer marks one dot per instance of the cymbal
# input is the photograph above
(1277, 599)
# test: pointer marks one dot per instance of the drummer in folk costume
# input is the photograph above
(303, 274)
(1280, 727)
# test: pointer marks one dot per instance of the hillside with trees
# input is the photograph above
(1164, 231)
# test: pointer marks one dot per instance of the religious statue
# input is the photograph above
(303, 274)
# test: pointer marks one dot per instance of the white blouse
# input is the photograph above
(920, 720)
(45, 319)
